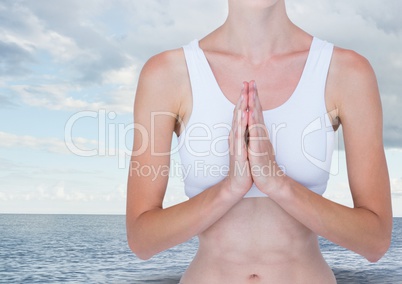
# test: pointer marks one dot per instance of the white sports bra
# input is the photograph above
(300, 130)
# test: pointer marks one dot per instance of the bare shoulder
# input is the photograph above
(352, 62)
(351, 80)
(163, 79)
(167, 65)
(351, 69)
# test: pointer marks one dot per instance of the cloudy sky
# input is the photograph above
(68, 73)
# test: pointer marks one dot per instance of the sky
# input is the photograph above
(69, 71)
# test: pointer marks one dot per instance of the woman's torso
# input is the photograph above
(256, 241)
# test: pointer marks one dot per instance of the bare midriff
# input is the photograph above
(258, 242)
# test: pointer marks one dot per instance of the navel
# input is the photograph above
(254, 277)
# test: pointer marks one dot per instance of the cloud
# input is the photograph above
(396, 187)
(78, 55)
(13, 59)
(60, 192)
(74, 55)
(373, 29)
(69, 46)
(28, 36)
(6, 164)
(71, 145)
(161, 25)
(55, 97)
(6, 101)
(51, 145)
(392, 121)
(55, 52)
(65, 30)
(118, 98)
(385, 15)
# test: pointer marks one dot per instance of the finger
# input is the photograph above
(240, 119)
(257, 130)
(243, 110)
(255, 102)
(243, 93)
(244, 120)
(239, 104)
(254, 115)
(254, 90)
(239, 123)
(251, 101)
(239, 132)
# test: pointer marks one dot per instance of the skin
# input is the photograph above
(259, 240)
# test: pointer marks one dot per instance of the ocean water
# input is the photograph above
(93, 249)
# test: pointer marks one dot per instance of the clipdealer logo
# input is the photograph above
(112, 141)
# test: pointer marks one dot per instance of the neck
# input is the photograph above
(257, 32)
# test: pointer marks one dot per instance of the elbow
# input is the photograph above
(136, 241)
(139, 249)
(375, 256)
(380, 240)
(376, 252)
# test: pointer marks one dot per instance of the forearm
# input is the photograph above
(159, 229)
(358, 229)
(151, 229)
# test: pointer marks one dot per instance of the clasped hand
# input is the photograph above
(252, 157)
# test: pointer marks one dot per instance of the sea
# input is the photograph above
(93, 249)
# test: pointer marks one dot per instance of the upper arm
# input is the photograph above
(156, 111)
(360, 113)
